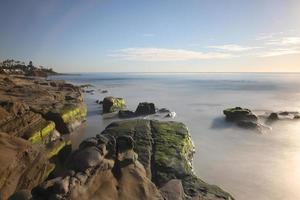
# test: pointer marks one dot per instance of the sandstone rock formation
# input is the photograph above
(34, 114)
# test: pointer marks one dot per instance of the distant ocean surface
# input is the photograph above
(246, 164)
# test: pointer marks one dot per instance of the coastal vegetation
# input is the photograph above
(11, 66)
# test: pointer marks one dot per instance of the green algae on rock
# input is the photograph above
(65, 117)
(166, 149)
(41, 134)
(112, 104)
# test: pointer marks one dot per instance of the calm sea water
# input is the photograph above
(244, 163)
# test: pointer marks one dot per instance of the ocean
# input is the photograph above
(247, 164)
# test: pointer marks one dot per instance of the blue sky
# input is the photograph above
(153, 35)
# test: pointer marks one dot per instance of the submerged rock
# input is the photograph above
(112, 104)
(163, 110)
(126, 114)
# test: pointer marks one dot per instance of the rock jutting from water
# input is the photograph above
(34, 116)
(244, 118)
(112, 104)
(134, 159)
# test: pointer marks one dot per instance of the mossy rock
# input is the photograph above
(41, 134)
(112, 104)
(65, 116)
(173, 151)
(165, 149)
(56, 147)
(239, 114)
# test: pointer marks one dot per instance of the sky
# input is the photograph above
(153, 35)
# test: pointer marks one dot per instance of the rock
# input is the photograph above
(21, 195)
(145, 109)
(99, 102)
(104, 91)
(86, 158)
(27, 167)
(86, 86)
(163, 110)
(165, 149)
(126, 114)
(173, 190)
(273, 117)
(112, 104)
(239, 114)
(248, 124)
(66, 116)
(244, 118)
(90, 91)
(124, 143)
(171, 115)
(99, 182)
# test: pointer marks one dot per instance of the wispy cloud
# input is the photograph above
(280, 52)
(163, 54)
(284, 41)
(233, 47)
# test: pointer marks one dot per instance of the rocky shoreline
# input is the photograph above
(35, 116)
(130, 159)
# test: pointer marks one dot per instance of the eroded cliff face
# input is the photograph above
(34, 114)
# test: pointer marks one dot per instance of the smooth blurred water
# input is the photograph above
(246, 164)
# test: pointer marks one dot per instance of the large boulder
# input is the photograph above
(244, 118)
(112, 104)
(239, 114)
(145, 108)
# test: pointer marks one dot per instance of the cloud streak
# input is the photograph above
(163, 54)
(284, 41)
(280, 52)
(233, 48)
